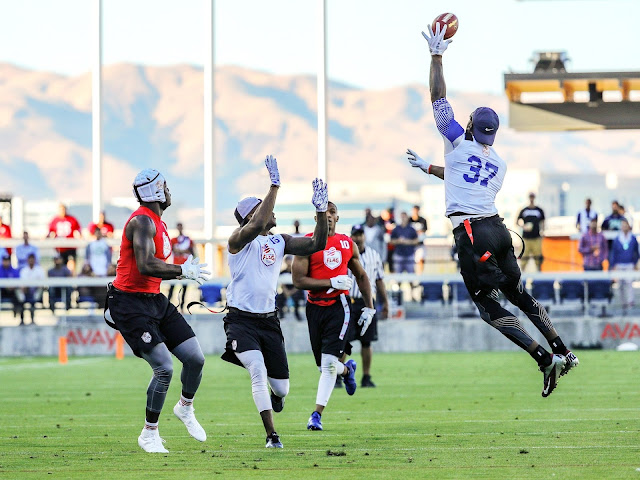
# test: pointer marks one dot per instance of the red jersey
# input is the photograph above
(5, 232)
(64, 227)
(106, 228)
(128, 277)
(183, 243)
(328, 263)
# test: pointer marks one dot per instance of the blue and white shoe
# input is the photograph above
(350, 383)
(314, 423)
(273, 441)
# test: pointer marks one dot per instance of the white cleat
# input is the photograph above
(150, 441)
(572, 362)
(552, 374)
(185, 413)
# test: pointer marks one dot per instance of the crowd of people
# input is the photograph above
(24, 262)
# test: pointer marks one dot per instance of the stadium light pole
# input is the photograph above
(96, 114)
(322, 91)
(209, 135)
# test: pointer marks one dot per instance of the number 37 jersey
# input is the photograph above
(473, 172)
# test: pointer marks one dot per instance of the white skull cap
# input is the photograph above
(244, 207)
(149, 186)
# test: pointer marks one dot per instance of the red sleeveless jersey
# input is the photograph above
(128, 277)
(328, 263)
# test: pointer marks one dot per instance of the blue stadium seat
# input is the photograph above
(543, 291)
(459, 292)
(572, 291)
(432, 292)
(211, 293)
(600, 292)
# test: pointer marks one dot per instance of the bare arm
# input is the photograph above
(301, 278)
(361, 277)
(247, 233)
(383, 294)
(307, 245)
(140, 231)
(437, 171)
(437, 85)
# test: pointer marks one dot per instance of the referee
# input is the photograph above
(372, 265)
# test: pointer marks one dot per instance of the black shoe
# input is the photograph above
(366, 381)
(339, 383)
(273, 441)
(277, 403)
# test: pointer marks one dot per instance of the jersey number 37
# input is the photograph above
(476, 167)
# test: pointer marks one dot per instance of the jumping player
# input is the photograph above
(324, 274)
(149, 323)
(473, 175)
(254, 337)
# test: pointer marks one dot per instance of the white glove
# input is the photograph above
(417, 162)
(341, 282)
(193, 270)
(272, 165)
(437, 43)
(320, 197)
(366, 318)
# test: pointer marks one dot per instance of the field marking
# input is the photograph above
(48, 364)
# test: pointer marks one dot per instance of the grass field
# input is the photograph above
(437, 415)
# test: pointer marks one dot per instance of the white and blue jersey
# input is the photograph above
(473, 172)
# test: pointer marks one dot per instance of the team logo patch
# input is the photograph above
(332, 258)
(146, 337)
(234, 345)
(166, 245)
(267, 255)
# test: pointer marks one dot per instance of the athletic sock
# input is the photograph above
(150, 426)
(152, 417)
(184, 401)
(541, 356)
(558, 347)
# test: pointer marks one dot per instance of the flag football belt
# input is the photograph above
(237, 311)
(467, 227)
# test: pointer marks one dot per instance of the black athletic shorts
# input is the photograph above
(371, 335)
(328, 328)
(147, 319)
(249, 331)
(489, 263)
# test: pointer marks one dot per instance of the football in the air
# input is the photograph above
(448, 19)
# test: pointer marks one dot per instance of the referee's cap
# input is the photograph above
(485, 125)
(357, 228)
(244, 208)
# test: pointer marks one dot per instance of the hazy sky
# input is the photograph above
(371, 43)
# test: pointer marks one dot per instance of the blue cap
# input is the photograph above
(485, 125)
(357, 228)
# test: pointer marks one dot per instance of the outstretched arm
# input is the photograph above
(437, 85)
(308, 245)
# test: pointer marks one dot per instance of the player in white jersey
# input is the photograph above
(473, 174)
(254, 337)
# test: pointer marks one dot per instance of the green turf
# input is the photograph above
(437, 415)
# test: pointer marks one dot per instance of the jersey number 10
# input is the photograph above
(476, 167)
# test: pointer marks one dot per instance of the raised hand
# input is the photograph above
(272, 166)
(320, 198)
(416, 161)
(436, 41)
(193, 270)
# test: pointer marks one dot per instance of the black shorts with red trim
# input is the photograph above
(249, 331)
(147, 319)
(328, 328)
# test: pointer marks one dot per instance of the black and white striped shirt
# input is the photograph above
(370, 260)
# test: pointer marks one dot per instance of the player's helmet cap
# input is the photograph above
(485, 125)
(357, 228)
(148, 186)
(6, 256)
(244, 208)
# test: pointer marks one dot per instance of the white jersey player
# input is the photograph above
(254, 337)
(473, 174)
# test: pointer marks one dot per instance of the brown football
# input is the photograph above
(448, 19)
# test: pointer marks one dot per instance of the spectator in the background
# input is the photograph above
(388, 223)
(585, 216)
(622, 211)
(95, 293)
(25, 249)
(3, 252)
(296, 229)
(65, 226)
(419, 224)
(105, 227)
(289, 291)
(98, 255)
(111, 270)
(613, 221)
(531, 219)
(5, 232)
(30, 294)
(59, 294)
(374, 236)
(182, 247)
(624, 256)
(7, 271)
(405, 239)
(593, 247)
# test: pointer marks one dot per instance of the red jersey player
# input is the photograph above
(324, 274)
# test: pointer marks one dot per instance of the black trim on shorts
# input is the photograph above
(326, 324)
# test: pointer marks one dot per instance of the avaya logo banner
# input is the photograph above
(624, 332)
(92, 336)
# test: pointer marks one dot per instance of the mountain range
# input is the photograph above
(153, 117)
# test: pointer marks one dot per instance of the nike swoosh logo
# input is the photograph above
(488, 129)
